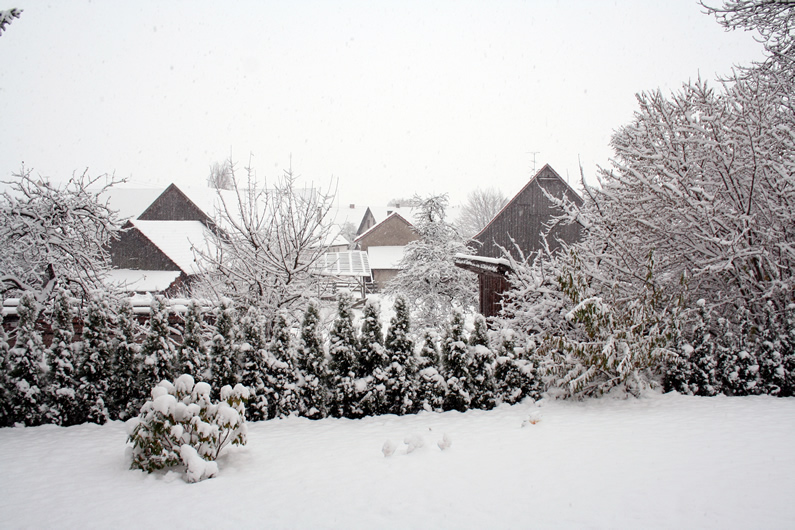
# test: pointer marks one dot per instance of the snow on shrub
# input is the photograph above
(182, 425)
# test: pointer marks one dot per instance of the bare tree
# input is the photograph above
(7, 16)
(481, 207)
(267, 243)
(53, 235)
(220, 176)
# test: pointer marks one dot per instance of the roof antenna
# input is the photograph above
(534, 153)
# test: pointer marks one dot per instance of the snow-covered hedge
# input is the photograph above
(182, 425)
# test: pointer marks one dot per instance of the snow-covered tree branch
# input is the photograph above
(268, 242)
(428, 278)
(53, 235)
(6, 16)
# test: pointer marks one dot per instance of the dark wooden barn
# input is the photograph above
(174, 205)
(154, 251)
(519, 229)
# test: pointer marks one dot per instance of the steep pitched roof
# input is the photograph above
(174, 205)
(176, 240)
(521, 221)
(130, 202)
(392, 217)
(547, 169)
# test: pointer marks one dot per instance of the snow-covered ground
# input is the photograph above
(664, 461)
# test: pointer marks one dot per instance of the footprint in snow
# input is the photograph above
(445, 442)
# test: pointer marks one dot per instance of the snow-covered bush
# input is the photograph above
(400, 374)
(482, 367)
(280, 380)
(456, 361)
(224, 346)
(192, 355)
(253, 362)
(95, 357)
(5, 393)
(125, 396)
(62, 383)
(27, 368)
(310, 360)
(158, 350)
(611, 342)
(181, 422)
(342, 363)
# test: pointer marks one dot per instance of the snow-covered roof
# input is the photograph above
(385, 257)
(176, 240)
(378, 224)
(342, 214)
(483, 264)
(130, 202)
(349, 263)
(142, 281)
(382, 212)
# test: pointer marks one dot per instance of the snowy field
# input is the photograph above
(665, 461)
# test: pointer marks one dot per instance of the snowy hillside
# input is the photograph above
(664, 461)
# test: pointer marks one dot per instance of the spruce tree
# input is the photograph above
(62, 388)
(372, 361)
(702, 370)
(772, 375)
(431, 386)
(281, 379)
(429, 352)
(342, 361)
(158, 351)
(5, 392)
(311, 362)
(96, 355)
(515, 377)
(192, 351)
(788, 353)
(737, 362)
(371, 341)
(27, 367)
(456, 362)
(125, 394)
(224, 348)
(482, 367)
(401, 387)
(254, 367)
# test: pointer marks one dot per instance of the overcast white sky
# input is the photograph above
(390, 97)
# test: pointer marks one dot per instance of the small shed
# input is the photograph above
(519, 229)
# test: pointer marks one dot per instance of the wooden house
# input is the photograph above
(154, 252)
(519, 229)
(384, 244)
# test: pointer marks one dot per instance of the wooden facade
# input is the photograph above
(174, 205)
(523, 221)
(135, 251)
(392, 231)
(519, 229)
